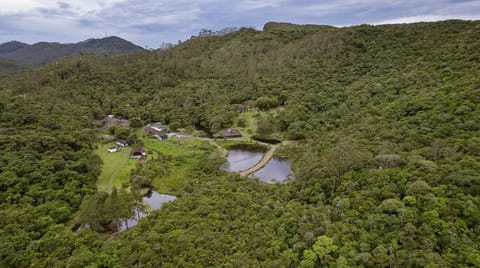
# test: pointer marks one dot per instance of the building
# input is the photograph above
(157, 130)
(138, 152)
(112, 149)
(231, 133)
(122, 143)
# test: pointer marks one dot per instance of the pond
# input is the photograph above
(155, 200)
(240, 159)
(276, 170)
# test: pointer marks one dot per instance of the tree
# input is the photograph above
(266, 103)
(388, 160)
(323, 247)
(113, 207)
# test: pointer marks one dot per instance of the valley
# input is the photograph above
(369, 136)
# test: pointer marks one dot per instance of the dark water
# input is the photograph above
(155, 201)
(276, 170)
(239, 160)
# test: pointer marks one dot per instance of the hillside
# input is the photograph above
(44, 52)
(382, 124)
(9, 67)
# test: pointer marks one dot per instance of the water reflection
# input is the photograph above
(239, 160)
(276, 170)
(155, 200)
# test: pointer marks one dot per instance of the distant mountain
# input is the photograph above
(11, 47)
(45, 52)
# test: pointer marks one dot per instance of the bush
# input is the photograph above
(266, 139)
(266, 103)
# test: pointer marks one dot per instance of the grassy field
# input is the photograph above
(180, 158)
(251, 118)
(115, 169)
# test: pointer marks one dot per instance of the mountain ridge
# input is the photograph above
(41, 53)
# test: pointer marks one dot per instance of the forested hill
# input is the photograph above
(45, 52)
(382, 123)
(8, 67)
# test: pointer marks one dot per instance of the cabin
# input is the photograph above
(112, 149)
(158, 130)
(138, 152)
(231, 133)
(122, 143)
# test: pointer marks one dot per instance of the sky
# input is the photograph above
(149, 23)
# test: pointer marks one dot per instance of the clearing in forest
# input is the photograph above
(115, 169)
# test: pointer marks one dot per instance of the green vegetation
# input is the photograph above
(386, 155)
(177, 161)
(252, 121)
(8, 67)
(115, 169)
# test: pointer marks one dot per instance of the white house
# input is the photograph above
(122, 143)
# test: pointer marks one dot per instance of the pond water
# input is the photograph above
(276, 170)
(239, 160)
(155, 200)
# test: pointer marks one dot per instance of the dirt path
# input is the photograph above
(266, 157)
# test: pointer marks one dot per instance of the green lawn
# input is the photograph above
(251, 118)
(183, 156)
(116, 167)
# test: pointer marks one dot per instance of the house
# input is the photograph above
(122, 143)
(231, 133)
(138, 152)
(112, 149)
(157, 130)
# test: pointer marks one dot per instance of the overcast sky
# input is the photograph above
(151, 22)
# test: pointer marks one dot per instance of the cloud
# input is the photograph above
(256, 4)
(17, 6)
(151, 22)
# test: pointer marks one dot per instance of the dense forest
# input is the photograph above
(384, 130)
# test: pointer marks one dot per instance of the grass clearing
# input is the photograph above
(116, 167)
(251, 119)
(180, 160)
(173, 146)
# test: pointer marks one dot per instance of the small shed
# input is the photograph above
(138, 152)
(112, 149)
(231, 133)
